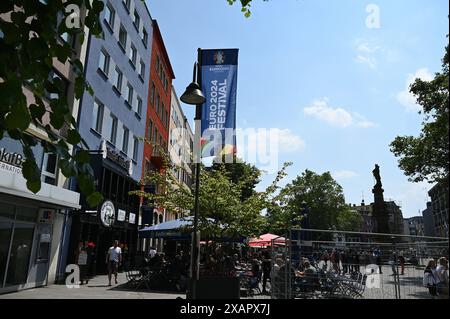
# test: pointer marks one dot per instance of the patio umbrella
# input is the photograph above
(265, 240)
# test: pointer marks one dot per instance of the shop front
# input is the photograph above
(31, 225)
(116, 218)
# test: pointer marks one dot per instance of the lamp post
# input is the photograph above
(194, 96)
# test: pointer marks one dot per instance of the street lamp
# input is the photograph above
(194, 96)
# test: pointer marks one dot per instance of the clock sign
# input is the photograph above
(107, 213)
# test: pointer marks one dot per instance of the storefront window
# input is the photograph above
(20, 254)
(5, 237)
(27, 214)
(6, 211)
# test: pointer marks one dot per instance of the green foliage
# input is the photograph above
(349, 220)
(426, 157)
(223, 209)
(31, 41)
(246, 4)
(322, 194)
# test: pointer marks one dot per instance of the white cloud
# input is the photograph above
(366, 51)
(337, 117)
(405, 97)
(288, 141)
(344, 174)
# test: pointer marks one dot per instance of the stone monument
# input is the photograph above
(380, 212)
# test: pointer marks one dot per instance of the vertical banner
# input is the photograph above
(219, 84)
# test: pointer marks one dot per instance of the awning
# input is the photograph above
(265, 240)
(178, 229)
(173, 229)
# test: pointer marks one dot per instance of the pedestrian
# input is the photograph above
(429, 278)
(442, 276)
(114, 260)
(82, 258)
(266, 269)
(401, 260)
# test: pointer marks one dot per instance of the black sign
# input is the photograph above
(14, 159)
(118, 159)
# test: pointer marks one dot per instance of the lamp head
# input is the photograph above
(193, 95)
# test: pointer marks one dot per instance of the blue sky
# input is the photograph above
(334, 88)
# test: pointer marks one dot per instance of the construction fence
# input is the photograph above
(328, 264)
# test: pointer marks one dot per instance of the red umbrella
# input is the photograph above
(265, 240)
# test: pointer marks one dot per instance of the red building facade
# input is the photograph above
(158, 112)
(158, 104)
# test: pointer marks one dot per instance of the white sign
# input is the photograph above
(132, 218)
(107, 213)
(121, 214)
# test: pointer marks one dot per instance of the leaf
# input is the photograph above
(73, 137)
(32, 174)
(19, 117)
(82, 157)
(94, 199)
(67, 168)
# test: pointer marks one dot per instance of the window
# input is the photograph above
(113, 135)
(133, 55)
(145, 37)
(139, 106)
(157, 104)
(58, 81)
(161, 115)
(150, 130)
(97, 117)
(130, 93)
(126, 134)
(110, 15)
(103, 63)
(167, 119)
(157, 65)
(118, 80)
(155, 135)
(123, 37)
(152, 97)
(135, 148)
(49, 169)
(142, 69)
(127, 4)
(137, 20)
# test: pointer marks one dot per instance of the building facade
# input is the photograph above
(439, 207)
(32, 225)
(428, 221)
(181, 144)
(112, 122)
(157, 124)
(415, 226)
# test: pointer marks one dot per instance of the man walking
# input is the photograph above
(113, 259)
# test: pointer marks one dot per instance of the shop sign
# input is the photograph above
(121, 214)
(132, 218)
(107, 213)
(46, 216)
(11, 161)
(118, 159)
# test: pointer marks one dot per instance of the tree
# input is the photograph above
(323, 195)
(349, 220)
(426, 157)
(30, 33)
(223, 211)
(239, 171)
(246, 4)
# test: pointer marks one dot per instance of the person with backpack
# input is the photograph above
(429, 278)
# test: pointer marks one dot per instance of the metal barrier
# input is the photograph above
(324, 264)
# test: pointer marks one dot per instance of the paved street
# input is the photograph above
(96, 289)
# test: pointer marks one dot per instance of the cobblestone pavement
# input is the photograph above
(97, 288)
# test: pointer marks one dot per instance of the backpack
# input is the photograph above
(428, 279)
